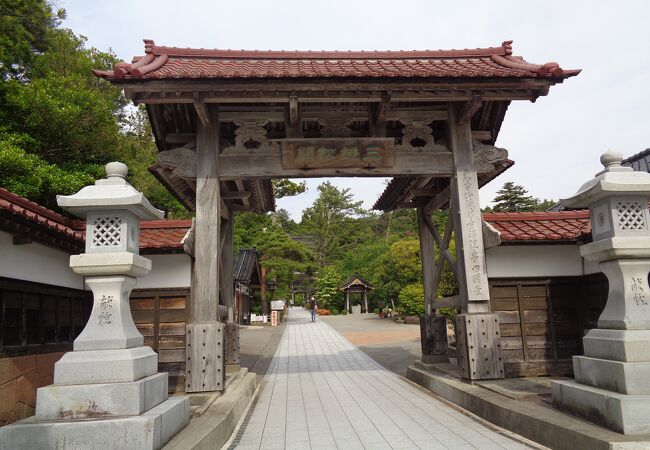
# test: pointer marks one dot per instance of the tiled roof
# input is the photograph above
(640, 161)
(163, 234)
(182, 63)
(155, 235)
(246, 267)
(541, 226)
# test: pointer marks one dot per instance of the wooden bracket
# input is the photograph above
(382, 110)
(468, 109)
(202, 112)
(293, 111)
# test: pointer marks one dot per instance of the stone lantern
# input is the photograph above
(612, 379)
(107, 393)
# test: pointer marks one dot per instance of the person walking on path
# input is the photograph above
(314, 308)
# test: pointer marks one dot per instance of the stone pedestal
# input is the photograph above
(107, 393)
(612, 379)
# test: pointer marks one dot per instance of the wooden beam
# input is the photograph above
(205, 300)
(267, 163)
(482, 135)
(427, 255)
(235, 195)
(294, 121)
(227, 254)
(466, 214)
(202, 112)
(241, 188)
(382, 110)
(447, 302)
(443, 243)
(443, 255)
(293, 111)
(468, 109)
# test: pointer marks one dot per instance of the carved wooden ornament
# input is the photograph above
(417, 136)
(486, 156)
(182, 162)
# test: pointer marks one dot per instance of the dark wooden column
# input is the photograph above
(433, 328)
(477, 330)
(231, 338)
(204, 334)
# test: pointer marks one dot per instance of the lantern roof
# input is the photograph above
(110, 193)
(615, 179)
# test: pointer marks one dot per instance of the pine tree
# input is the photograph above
(512, 198)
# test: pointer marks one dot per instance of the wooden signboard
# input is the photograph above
(335, 153)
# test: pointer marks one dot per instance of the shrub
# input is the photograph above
(376, 310)
(344, 312)
(335, 312)
(411, 299)
(323, 312)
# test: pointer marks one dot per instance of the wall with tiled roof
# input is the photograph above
(541, 226)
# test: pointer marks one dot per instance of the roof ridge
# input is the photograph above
(159, 50)
(535, 215)
(636, 156)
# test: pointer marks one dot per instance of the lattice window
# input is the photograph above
(631, 216)
(107, 232)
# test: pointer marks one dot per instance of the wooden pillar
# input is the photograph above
(204, 334)
(427, 255)
(433, 328)
(227, 255)
(477, 330)
(347, 300)
(365, 301)
(231, 336)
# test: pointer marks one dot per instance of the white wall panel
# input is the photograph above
(36, 262)
(516, 261)
(168, 271)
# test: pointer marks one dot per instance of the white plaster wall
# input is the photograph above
(167, 271)
(36, 262)
(516, 261)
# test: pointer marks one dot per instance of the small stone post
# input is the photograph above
(612, 379)
(107, 393)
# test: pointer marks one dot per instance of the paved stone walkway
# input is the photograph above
(322, 392)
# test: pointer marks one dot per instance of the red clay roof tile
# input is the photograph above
(162, 62)
(541, 226)
(154, 234)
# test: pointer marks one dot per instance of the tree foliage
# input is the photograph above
(327, 287)
(512, 198)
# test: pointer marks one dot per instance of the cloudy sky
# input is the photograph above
(555, 142)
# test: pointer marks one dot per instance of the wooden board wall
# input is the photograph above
(160, 315)
(542, 321)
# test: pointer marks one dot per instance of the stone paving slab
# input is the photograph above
(321, 392)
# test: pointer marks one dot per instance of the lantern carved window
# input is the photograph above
(631, 216)
(107, 231)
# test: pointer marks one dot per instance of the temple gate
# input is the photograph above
(227, 122)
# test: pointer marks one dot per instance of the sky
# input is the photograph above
(555, 142)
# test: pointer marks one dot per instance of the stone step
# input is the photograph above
(148, 431)
(84, 401)
(617, 376)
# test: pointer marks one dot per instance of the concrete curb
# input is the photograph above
(214, 428)
(533, 420)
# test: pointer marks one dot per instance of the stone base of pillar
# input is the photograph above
(150, 430)
(627, 414)
(612, 381)
(433, 338)
(478, 346)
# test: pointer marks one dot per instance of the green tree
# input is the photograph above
(330, 221)
(283, 187)
(24, 32)
(327, 287)
(513, 198)
(32, 177)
